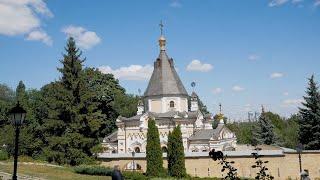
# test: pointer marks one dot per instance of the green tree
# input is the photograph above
(290, 133)
(170, 152)
(154, 153)
(309, 123)
(264, 133)
(28, 141)
(6, 100)
(73, 120)
(79, 110)
(176, 162)
(243, 131)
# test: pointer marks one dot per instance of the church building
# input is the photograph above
(169, 104)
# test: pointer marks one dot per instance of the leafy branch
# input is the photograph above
(262, 174)
(226, 165)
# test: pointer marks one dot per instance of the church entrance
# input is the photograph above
(137, 149)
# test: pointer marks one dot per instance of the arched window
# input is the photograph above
(137, 150)
(114, 151)
(164, 149)
(171, 104)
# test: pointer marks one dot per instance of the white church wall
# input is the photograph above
(155, 105)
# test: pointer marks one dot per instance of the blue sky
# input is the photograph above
(240, 53)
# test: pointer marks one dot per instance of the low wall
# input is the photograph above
(281, 164)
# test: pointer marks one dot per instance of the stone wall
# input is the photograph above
(281, 165)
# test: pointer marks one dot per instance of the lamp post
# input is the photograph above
(299, 149)
(17, 116)
(133, 154)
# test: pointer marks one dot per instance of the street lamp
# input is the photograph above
(299, 149)
(17, 116)
(133, 154)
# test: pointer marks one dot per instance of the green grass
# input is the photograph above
(48, 172)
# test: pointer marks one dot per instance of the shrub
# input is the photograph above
(94, 170)
(134, 175)
(176, 162)
(3, 155)
(154, 153)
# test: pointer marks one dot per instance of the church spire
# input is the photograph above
(221, 116)
(162, 40)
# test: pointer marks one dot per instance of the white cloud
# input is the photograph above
(196, 65)
(273, 3)
(317, 3)
(39, 35)
(217, 90)
(292, 102)
(175, 4)
(132, 72)
(253, 57)
(85, 39)
(286, 93)
(238, 88)
(276, 75)
(20, 17)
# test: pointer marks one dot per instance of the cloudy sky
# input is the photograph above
(240, 53)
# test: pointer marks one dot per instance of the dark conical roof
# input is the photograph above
(164, 79)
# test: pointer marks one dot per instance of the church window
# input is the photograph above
(172, 104)
(137, 150)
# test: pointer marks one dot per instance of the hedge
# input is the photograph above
(94, 170)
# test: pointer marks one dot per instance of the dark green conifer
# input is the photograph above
(154, 153)
(176, 162)
(170, 153)
(264, 133)
(309, 123)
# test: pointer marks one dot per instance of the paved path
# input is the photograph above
(7, 176)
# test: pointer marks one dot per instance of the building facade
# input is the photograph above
(169, 104)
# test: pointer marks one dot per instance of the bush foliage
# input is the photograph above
(134, 175)
(93, 170)
(3, 155)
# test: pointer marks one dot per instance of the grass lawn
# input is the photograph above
(47, 172)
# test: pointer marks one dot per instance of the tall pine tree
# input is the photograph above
(73, 120)
(176, 162)
(79, 110)
(154, 153)
(264, 133)
(309, 123)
